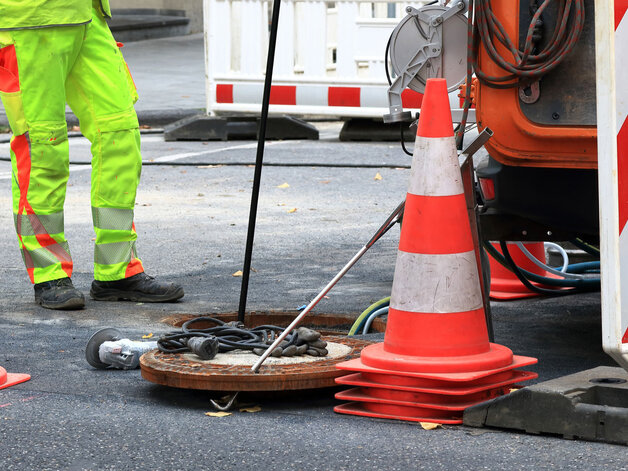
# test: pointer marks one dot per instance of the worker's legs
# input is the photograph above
(101, 93)
(98, 93)
(33, 67)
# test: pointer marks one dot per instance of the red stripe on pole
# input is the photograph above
(435, 225)
(622, 174)
(620, 10)
(283, 95)
(224, 93)
(343, 96)
(411, 99)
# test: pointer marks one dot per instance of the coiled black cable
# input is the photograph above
(230, 335)
(528, 64)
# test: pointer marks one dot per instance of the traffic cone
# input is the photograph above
(11, 379)
(505, 285)
(436, 359)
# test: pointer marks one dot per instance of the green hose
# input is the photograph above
(358, 325)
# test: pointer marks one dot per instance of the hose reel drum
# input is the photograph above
(429, 42)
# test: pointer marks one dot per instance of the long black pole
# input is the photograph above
(261, 138)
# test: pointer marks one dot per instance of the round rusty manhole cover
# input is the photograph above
(232, 371)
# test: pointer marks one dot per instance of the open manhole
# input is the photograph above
(338, 324)
(232, 371)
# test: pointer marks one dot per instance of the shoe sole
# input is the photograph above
(135, 296)
(70, 304)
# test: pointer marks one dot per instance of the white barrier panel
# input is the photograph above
(611, 38)
(329, 57)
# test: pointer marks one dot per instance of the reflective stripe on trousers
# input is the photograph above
(115, 249)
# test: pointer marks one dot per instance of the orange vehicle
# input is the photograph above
(534, 62)
(541, 168)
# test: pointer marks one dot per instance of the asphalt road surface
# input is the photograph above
(191, 217)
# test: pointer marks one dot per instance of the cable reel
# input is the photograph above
(429, 42)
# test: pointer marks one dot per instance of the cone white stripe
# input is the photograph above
(435, 169)
(436, 283)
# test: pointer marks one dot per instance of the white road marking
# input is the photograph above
(164, 159)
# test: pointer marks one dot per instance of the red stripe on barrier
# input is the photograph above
(435, 225)
(343, 96)
(620, 10)
(622, 174)
(224, 93)
(436, 334)
(283, 95)
(411, 99)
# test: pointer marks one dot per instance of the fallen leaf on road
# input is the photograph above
(293, 210)
(377, 176)
(430, 425)
(238, 273)
(217, 414)
(251, 409)
(324, 182)
(147, 336)
(284, 185)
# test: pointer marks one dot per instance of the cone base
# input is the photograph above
(497, 356)
(512, 295)
(11, 379)
(401, 383)
(424, 397)
(509, 290)
(395, 398)
(393, 412)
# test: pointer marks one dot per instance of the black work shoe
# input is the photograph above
(59, 294)
(139, 288)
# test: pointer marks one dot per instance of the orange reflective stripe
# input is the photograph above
(432, 225)
(133, 268)
(20, 145)
(9, 77)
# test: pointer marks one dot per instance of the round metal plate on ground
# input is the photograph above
(232, 371)
(407, 39)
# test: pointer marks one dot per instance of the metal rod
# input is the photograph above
(259, 161)
(392, 219)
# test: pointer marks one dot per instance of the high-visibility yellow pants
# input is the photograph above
(40, 70)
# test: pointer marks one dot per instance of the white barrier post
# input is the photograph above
(329, 60)
(611, 42)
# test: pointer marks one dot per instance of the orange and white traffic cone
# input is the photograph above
(11, 379)
(436, 359)
(505, 285)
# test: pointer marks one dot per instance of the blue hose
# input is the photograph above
(367, 325)
(584, 284)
